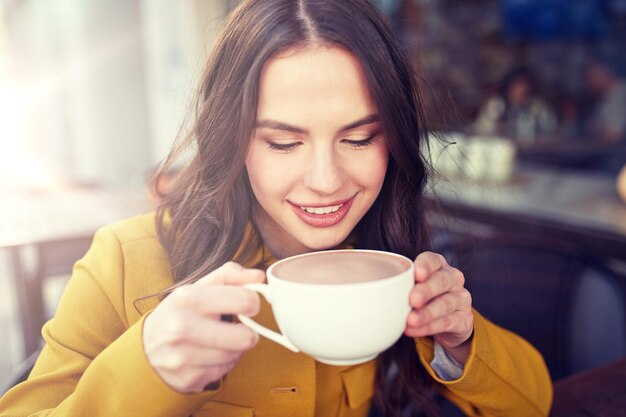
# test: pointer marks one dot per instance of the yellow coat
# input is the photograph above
(93, 362)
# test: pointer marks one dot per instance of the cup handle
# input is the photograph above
(264, 290)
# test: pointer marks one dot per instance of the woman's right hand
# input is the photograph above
(184, 339)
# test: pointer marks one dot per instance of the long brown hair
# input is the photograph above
(209, 206)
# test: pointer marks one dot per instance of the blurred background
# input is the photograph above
(92, 95)
(526, 103)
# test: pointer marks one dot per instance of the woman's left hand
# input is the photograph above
(441, 306)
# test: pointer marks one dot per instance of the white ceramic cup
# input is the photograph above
(345, 308)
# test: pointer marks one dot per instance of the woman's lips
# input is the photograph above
(326, 219)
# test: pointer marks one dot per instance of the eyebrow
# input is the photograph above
(273, 124)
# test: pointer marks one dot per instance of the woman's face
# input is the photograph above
(317, 158)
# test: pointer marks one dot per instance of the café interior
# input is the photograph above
(526, 105)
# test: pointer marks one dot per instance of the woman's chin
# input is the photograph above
(327, 242)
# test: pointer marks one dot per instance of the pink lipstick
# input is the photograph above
(323, 215)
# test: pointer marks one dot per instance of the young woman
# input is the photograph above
(307, 137)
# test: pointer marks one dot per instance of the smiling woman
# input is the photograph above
(307, 136)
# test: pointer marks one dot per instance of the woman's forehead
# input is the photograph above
(309, 82)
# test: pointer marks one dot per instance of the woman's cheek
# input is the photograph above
(375, 168)
(271, 174)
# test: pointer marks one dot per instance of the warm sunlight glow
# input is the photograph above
(19, 167)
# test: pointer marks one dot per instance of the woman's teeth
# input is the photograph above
(321, 210)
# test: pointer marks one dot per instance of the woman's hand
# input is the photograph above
(184, 339)
(441, 306)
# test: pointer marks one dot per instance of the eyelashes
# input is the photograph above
(287, 147)
(360, 144)
(355, 144)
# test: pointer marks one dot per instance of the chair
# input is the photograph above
(47, 259)
(568, 303)
(31, 265)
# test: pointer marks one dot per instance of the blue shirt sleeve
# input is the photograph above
(445, 365)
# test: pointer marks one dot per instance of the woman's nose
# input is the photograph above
(324, 174)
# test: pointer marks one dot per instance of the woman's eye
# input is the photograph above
(361, 143)
(283, 147)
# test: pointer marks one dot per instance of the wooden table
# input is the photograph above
(581, 207)
(45, 232)
(600, 392)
